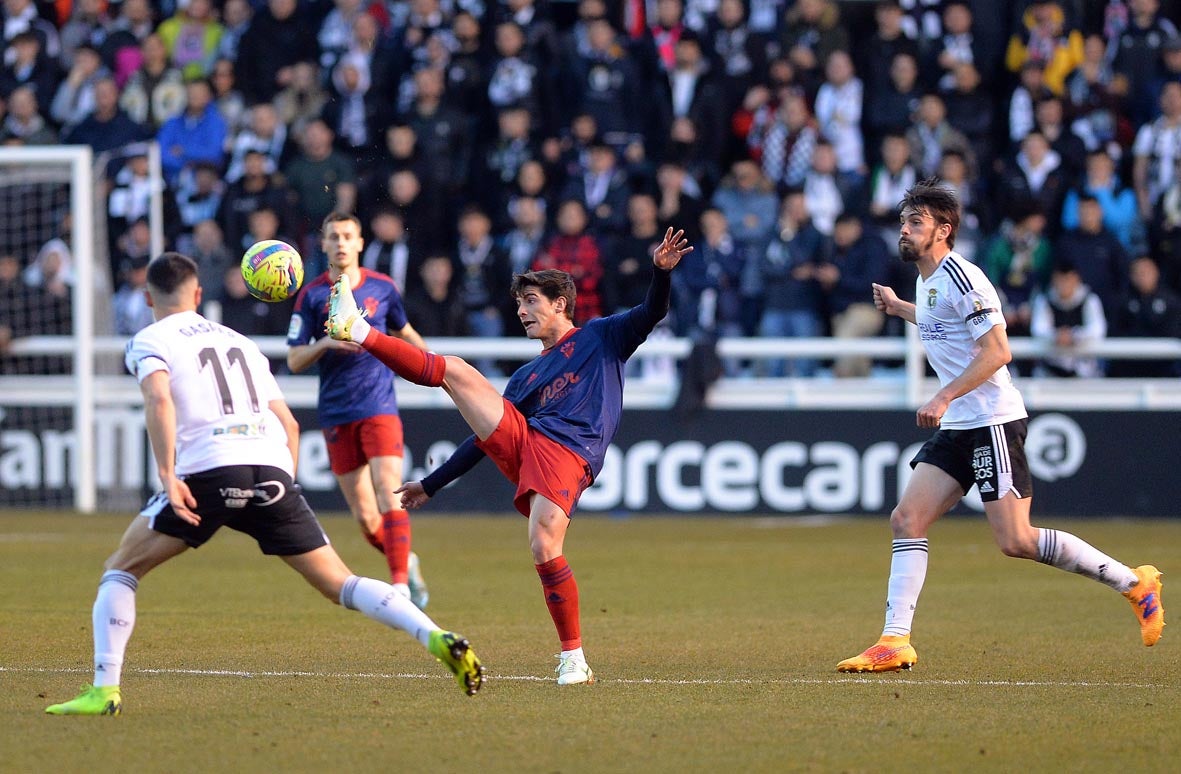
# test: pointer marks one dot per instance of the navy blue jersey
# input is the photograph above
(573, 392)
(352, 385)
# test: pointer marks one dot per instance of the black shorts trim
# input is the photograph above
(991, 458)
(258, 500)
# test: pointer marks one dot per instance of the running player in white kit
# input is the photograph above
(980, 422)
(225, 445)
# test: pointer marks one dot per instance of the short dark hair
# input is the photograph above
(340, 217)
(938, 201)
(553, 284)
(168, 271)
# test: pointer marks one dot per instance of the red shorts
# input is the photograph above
(353, 444)
(535, 463)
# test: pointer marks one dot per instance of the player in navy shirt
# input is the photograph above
(549, 432)
(358, 409)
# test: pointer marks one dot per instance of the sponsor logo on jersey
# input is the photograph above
(243, 430)
(558, 387)
(932, 298)
(933, 331)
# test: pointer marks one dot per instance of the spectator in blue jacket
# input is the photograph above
(1120, 214)
(197, 134)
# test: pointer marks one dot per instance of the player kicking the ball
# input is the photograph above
(549, 432)
(225, 445)
(980, 424)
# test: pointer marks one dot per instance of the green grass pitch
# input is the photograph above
(715, 642)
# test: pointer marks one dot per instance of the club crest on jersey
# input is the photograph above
(567, 349)
(932, 297)
(371, 307)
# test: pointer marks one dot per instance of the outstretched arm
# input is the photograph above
(671, 250)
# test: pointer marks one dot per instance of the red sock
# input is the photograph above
(376, 539)
(407, 361)
(561, 597)
(396, 537)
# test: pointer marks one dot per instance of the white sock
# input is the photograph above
(1067, 552)
(384, 603)
(908, 570)
(359, 330)
(114, 619)
(577, 654)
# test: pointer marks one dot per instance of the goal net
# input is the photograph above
(54, 298)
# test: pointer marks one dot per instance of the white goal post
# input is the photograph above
(26, 165)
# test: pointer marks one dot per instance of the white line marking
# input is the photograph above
(879, 681)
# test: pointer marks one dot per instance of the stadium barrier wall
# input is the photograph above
(769, 462)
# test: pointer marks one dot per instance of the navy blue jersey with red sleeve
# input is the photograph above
(573, 392)
(352, 385)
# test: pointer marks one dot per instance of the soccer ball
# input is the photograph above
(273, 270)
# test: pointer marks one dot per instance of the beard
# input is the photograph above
(909, 252)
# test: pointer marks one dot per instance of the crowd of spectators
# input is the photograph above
(477, 138)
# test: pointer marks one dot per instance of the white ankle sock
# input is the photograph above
(113, 618)
(576, 654)
(1067, 552)
(384, 603)
(908, 570)
(359, 330)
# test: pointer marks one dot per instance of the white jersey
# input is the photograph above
(953, 308)
(221, 385)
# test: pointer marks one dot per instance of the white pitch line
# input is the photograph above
(881, 681)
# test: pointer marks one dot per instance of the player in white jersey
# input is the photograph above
(225, 445)
(980, 424)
